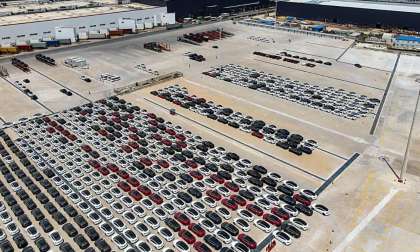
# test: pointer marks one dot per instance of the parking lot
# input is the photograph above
(102, 158)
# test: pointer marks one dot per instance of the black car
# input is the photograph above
(304, 209)
(80, 221)
(81, 241)
(247, 194)
(230, 228)
(195, 192)
(185, 197)
(213, 241)
(70, 210)
(173, 224)
(291, 230)
(20, 240)
(187, 178)
(287, 199)
(17, 210)
(91, 233)
(255, 182)
(42, 245)
(284, 189)
(46, 225)
(102, 245)
(65, 247)
(24, 221)
(59, 218)
(70, 229)
(213, 217)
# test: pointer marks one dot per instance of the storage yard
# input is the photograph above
(250, 145)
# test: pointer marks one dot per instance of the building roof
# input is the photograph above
(106, 8)
(400, 7)
(408, 38)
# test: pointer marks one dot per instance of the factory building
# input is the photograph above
(195, 8)
(362, 13)
(69, 24)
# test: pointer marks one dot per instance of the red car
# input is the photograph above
(132, 181)
(66, 133)
(135, 195)
(248, 241)
(59, 128)
(238, 199)
(182, 218)
(180, 137)
(181, 144)
(197, 229)
(104, 171)
(72, 137)
(115, 113)
(151, 115)
(130, 116)
(231, 204)
(170, 131)
(123, 174)
(103, 132)
(271, 218)
(133, 145)
(257, 134)
(112, 167)
(86, 148)
(201, 247)
(302, 199)
(146, 161)
(187, 236)
(132, 129)
(191, 164)
(46, 119)
(50, 130)
(102, 118)
(116, 120)
(166, 142)
(145, 190)
(124, 186)
(126, 148)
(196, 175)
(153, 122)
(254, 209)
(280, 213)
(157, 137)
(217, 178)
(156, 198)
(95, 164)
(231, 186)
(214, 195)
(134, 137)
(53, 123)
(163, 163)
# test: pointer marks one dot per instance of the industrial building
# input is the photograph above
(362, 13)
(188, 8)
(98, 18)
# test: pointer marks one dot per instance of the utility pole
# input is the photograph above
(407, 149)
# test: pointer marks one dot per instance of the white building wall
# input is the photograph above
(39, 30)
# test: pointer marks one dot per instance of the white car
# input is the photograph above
(55, 237)
(263, 225)
(152, 222)
(181, 246)
(5, 217)
(2, 235)
(242, 224)
(119, 241)
(261, 202)
(166, 233)
(130, 235)
(290, 209)
(290, 184)
(32, 232)
(155, 241)
(299, 223)
(308, 194)
(191, 212)
(245, 214)
(12, 228)
(143, 229)
(139, 211)
(107, 229)
(209, 201)
(224, 212)
(207, 224)
(321, 209)
(282, 237)
(223, 236)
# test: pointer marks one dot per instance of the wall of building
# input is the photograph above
(187, 8)
(45, 29)
(346, 15)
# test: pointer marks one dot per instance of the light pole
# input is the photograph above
(407, 149)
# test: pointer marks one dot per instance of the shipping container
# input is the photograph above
(83, 36)
(148, 25)
(116, 33)
(54, 43)
(64, 41)
(9, 50)
(65, 33)
(97, 36)
(39, 45)
(24, 48)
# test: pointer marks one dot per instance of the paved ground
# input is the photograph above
(370, 210)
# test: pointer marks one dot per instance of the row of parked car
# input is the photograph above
(346, 104)
(270, 133)
(21, 177)
(148, 184)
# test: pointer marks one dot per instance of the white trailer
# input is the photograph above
(66, 33)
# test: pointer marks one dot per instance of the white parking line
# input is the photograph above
(366, 220)
(356, 139)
